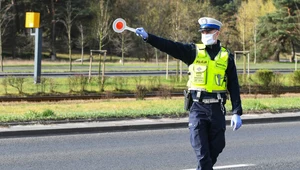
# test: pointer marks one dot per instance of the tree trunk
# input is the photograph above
(122, 49)
(70, 50)
(1, 56)
(292, 58)
(53, 50)
(82, 53)
(82, 43)
(14, 30)
(255, 43)
(275, 56)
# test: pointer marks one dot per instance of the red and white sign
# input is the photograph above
(119, 25)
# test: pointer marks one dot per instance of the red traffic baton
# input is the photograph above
(119, 25)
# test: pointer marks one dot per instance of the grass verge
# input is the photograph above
(126, 108)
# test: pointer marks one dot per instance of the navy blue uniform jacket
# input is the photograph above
(186, 52)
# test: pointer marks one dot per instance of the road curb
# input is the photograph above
(103, 127)
(96, 129)
(271, 119)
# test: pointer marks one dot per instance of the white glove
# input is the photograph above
(141, 32)
(236, 122)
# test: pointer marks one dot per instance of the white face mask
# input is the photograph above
(208, 39)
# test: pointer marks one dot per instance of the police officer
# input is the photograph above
(212, 72)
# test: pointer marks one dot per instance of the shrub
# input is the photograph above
(41, 87)
(276, 84)
(264, 77)
(119, 83)
(16, 82)
(78, 81)
(173, 81)
(83, 82)
(296, 77)
(72, 83)
(52, 85)
(38, 115)
(44, 83)
(174, 78)
(164, 92)
(154, 82)
(138, 80)
(31, 114)
(140, 92)
(48, 113)
(241, 80)
(108, 95)
(253, 86)
(101, 83)
(5, 84)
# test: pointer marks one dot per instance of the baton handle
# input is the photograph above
(130, 29)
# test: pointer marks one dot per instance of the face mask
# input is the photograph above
(208, 39)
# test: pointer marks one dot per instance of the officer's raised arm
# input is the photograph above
(185, 52)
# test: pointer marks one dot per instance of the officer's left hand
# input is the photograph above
(236, 122)
(141, 32)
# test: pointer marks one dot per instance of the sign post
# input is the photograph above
(33, 21)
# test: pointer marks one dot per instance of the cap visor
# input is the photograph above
(206, 29)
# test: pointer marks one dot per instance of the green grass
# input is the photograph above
(113, 84)
(271, 104)
(129, 108)
(60, 85)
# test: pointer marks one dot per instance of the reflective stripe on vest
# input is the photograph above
(206, 74)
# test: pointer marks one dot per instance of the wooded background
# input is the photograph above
(268, 28)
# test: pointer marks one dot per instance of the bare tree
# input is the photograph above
(102, 20)
(68, 17)
(53, 35)
(181, 23)
(123, 44)
(5, 18)
(82, 40)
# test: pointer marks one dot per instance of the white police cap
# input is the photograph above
(207, 23)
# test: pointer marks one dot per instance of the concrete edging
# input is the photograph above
(127, 125)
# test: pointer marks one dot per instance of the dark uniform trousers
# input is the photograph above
(207, 132)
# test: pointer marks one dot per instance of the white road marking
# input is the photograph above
(229, 166)
(233, 166)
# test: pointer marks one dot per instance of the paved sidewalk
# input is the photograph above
(132, 124)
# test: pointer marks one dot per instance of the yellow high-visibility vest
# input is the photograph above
(206, 74)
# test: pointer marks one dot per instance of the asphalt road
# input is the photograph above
(255, 147)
